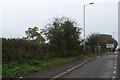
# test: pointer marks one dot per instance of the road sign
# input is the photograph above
(109, 45)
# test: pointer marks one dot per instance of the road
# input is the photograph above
(102, 67)
(118, 65)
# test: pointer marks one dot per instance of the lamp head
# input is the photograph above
(91, 3)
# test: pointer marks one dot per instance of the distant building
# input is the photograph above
(119, 24)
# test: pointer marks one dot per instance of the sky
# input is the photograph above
(16, 16)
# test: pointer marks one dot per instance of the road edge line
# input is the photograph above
(71, 69)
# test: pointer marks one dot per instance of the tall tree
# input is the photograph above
(34, 34)
(64, 35)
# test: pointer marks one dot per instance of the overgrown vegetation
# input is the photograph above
(17, 69)
(21, 50)
(32, 53)
(64, 37)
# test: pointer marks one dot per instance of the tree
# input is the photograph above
(92, 40)
(100, 39)
(34, 35)
(63, 34)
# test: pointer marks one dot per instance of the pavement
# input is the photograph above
(52, 72)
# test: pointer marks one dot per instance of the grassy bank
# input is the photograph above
(107, 53)
(16, 69)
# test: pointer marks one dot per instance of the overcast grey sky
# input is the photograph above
(16, 16)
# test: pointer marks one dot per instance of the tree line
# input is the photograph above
(61, 38)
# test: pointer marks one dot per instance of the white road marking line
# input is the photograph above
(59, 75)
(114, 67)
(20, 77)
(114, 72)
(113, 77)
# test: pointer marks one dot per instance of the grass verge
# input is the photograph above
(107, 53)
(16, 69)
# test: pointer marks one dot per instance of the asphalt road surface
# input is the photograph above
(102, 67)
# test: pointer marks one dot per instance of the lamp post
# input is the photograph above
(84, 22)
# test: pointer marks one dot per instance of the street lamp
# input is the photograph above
(84, 22)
